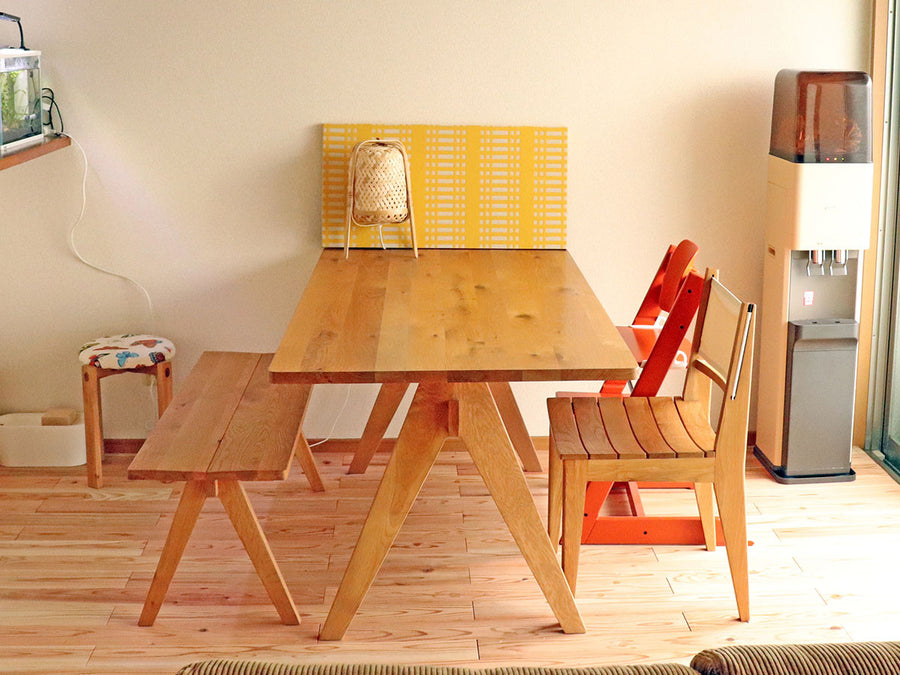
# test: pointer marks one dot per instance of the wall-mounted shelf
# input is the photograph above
(50, 144)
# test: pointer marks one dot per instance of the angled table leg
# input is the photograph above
(302, 451)
(515, 425)
(386, 403)
(482, 431)
(192, 499)
(239, 510)
(420, 440)
(390, 395)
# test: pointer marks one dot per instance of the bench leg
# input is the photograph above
(192, 500)
(239, 510)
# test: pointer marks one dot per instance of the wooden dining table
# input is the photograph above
(452, 321)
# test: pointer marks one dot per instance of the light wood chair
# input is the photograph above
(667, 439)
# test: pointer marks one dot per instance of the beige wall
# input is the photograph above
(200, 123)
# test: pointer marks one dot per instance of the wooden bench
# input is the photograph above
(227, 424)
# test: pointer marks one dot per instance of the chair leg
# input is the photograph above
(163, 386)
(574, 487)
(554, 495)
(732, 511)
(703, 492)
(93, 425)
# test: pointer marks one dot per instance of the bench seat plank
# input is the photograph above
(227, 422)
(260, 439)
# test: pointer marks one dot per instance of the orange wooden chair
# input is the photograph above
(673, 296)
(668, 439)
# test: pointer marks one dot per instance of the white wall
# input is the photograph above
(200, 120)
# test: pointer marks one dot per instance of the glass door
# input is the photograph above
(883, 428)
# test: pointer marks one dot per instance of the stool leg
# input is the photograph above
(93, 426)
(163, 386)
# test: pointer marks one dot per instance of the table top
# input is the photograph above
(452, 315)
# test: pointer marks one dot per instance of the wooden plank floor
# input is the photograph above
(76, 563)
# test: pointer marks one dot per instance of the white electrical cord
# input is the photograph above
(74, 249)
(337, 417)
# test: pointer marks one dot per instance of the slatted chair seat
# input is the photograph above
(665, 439)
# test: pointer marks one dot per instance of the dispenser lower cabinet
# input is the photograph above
(820, 383)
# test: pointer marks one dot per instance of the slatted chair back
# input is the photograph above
(721, 353)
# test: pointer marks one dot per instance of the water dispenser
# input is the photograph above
(819, 204)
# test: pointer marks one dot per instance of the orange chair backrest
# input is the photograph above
(672, 272)
(680, 264)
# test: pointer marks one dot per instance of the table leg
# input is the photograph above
(515, 425)
(482, 431)
(302, 451)
(386, 403)
(246, 524)
(420, 440)
(189, 506)
(389, 398)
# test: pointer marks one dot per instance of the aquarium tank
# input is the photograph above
(20, 99)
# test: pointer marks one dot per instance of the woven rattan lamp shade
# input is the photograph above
(379, 188)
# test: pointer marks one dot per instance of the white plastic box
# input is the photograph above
(25, 442)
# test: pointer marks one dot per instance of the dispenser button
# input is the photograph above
(808, 298)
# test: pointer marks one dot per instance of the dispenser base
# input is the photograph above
(779, 475)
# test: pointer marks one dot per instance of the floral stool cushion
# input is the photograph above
(126, 351)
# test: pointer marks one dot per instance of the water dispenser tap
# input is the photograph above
(816, 265)
(839, 263)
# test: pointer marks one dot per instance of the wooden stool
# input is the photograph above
(111, 355)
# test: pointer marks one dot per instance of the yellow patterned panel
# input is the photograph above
(472, 186)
